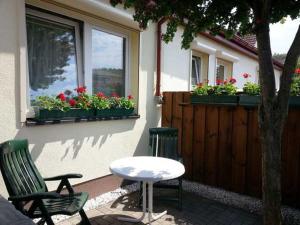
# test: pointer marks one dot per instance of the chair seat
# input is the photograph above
(67, 204)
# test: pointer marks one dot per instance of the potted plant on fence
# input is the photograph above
(223, 93)
(251, 93)
(294, 99)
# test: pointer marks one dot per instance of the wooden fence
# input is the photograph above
(220, 146)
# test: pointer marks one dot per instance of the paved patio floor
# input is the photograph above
(196, 211)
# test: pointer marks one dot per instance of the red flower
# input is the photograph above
(130, 97)
(72, 102)
(80, 90)
(246, 75)
(297, 71)
(101, 95)
(232, 80)
(115, 95)
(62, 97)
(219, 82)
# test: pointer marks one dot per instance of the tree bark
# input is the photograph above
(271, 129)
(272, 114)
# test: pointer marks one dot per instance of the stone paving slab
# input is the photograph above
(196, 211)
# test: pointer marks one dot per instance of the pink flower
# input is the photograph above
(72, 102)
(130, 97)
(62, 97)
(232, 81)
(80, 90)
(246, 75)
(225, 81)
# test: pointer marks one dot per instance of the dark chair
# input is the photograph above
(163, 142)
(28, 191)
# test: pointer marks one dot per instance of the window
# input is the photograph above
(53, 54)
(224, 69)
(199, 70)
(56, 64)
(108, 63)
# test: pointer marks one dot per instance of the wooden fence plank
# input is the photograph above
(166, 119)
(211, 145)
(239, 147)
(177, 115)
(254, 162)
(225, 147)
(199, 142)
(187, 136)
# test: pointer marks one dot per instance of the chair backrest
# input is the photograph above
(163, 142)
(20, 175)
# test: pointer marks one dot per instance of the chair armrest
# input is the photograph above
(35, 196)
(64, 176)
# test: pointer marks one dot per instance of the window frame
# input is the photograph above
(227, 71)
(79, 57)
(204, 70)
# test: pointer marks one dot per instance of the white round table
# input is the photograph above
(147, 170)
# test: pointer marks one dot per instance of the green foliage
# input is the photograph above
(225, 88)
(295, 87)
(52, 103)
(99, 102)
(121, 102)
(251, 89)
(204, 89)
(196, 16)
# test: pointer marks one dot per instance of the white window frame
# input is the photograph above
(201, 66)
(88, 54)
(57, 19)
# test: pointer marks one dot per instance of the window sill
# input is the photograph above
(33, 122)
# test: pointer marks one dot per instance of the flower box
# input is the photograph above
(249, 100)
(294, 101)
(104, 113)
(45, 114)
(214, 99)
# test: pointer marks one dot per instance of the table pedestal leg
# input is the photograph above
(133, 220)
(151, 216)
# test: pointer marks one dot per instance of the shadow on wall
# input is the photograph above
(74, 136)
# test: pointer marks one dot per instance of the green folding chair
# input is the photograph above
(26, 186)
(163, 142)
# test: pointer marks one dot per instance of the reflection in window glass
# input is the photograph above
(220, 72)
(196, 70)
(51, 57)
(108, 63)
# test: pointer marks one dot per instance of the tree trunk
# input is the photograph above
(271, 125)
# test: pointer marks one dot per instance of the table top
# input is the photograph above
(147, 168)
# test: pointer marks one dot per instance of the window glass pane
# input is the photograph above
(220, 72)
(108, 63)
(196, 70)
(51, 57)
